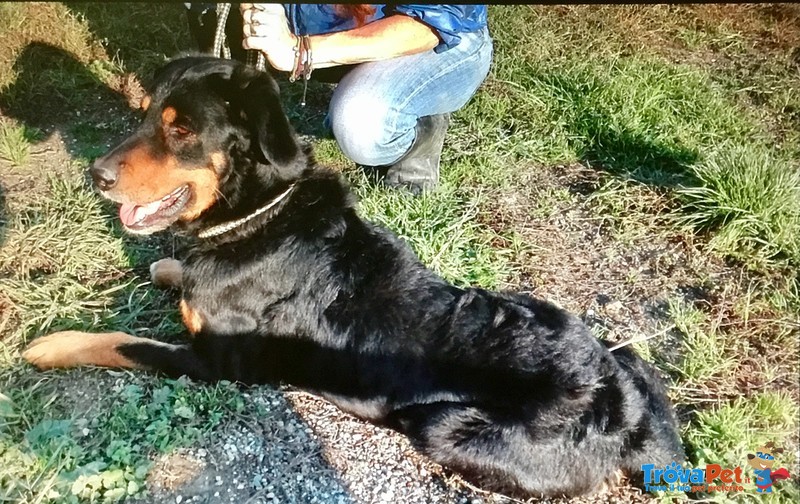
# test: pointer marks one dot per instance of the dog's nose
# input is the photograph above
(103, 177)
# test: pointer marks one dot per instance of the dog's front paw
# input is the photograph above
(55, 350)
(166, 273)
(76, 348)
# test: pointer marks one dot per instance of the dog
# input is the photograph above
(285, 283)
(762, 462)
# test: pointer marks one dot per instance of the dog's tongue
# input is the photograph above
(130, 214)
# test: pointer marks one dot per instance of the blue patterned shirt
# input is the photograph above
(448, 21)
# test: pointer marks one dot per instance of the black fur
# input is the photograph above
(511, 391)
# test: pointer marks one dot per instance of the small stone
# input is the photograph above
(614, 308)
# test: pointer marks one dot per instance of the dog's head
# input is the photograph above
(764, 458)
(205, 118)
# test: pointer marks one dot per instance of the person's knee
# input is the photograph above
(363, 128)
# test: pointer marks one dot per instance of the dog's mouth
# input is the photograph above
(156, 215)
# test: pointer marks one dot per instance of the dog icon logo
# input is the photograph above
(762, 463)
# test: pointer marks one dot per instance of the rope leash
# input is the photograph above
(303, 64)
(222, 49)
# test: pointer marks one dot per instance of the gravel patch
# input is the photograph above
(301, 449)
(294, 447)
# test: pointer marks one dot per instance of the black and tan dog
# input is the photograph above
(286, 283)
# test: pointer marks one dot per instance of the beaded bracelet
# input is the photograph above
(302, 64)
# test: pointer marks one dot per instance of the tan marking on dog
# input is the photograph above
(205, 188)
(75, 348)
(145, 103)
(168, 115)
(166, 272)
(144, 178)
(218, 161)
(191, 318)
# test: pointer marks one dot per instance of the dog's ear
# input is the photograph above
(257, 97)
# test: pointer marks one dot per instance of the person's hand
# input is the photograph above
(266, 29)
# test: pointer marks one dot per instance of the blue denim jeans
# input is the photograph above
(375, 107)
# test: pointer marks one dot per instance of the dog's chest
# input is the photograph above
(226, 301)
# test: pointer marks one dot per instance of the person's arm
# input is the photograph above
(267, 30)
(385, 38)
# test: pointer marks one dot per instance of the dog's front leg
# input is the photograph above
(166, 273)
(68, 349)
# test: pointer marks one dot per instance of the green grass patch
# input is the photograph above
(90, 140)
(706, 350)
(49, 453)
(65, 231)
(441, 227)
(63, 268)
(15, 142)
(726, 433)
(637, 115)
(751, 202)
(644, 118)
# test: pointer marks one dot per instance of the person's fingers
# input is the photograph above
(260, 31)
(246, 16)
(248, 10)
(274, 8)
(257, 43)
(268, 18)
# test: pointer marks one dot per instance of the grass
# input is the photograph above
(652, 121)
(102, 455)
(442, 230)
(65, 272)
(15, 142)
(682, 119)
(751, 200)
(706, 350)
(726, 433)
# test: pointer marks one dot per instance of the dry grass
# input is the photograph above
(47, 23)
